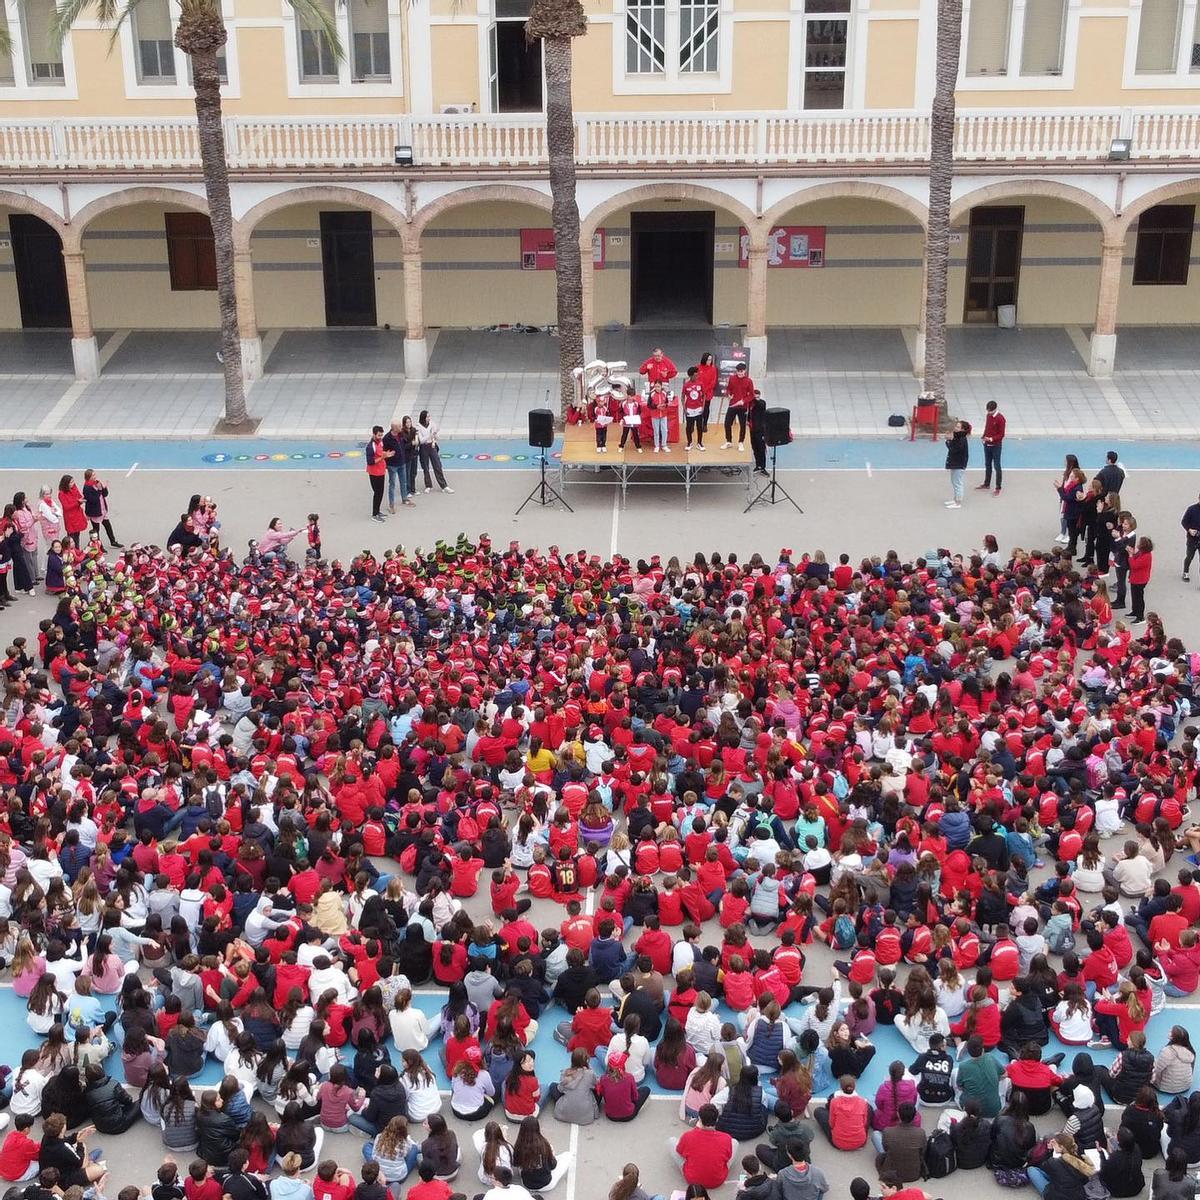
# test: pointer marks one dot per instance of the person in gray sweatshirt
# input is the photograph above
(574, 1095)
(482, 988)
(800, 1180)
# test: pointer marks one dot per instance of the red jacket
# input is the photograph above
(740, 390)
(993, 429)
(849, 1121)
(1140, 564)
(658, 370)
(1182, 968)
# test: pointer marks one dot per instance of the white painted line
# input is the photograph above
(131, 470)
(49, 423)
(870, 473)
(573, 1150)
(616, 521)
(113, 344)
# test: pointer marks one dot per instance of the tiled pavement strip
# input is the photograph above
(836, 382)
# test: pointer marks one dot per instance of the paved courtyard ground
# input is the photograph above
(837, 382)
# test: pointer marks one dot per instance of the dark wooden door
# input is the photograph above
(993, 260)
(41, 275)
(348, 263)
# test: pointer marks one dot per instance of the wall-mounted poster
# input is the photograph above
(537, 249)
(790, 246)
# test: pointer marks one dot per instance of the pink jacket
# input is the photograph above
(51, 519)
(27, 526)
(275, 539)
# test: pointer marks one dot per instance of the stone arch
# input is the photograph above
(26, 204)
(125, 199)
(664, 191)
(849, 189)
(1016, 188)
(1158, 195)
(331, 194)
(495, 193)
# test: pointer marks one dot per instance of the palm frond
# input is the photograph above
(314, 15)
(110, 13)
(5, 35)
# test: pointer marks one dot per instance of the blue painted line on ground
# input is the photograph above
(804, 454)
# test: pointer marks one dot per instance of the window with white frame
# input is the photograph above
(371, 51)
(153, 44)
(43, 58)
(317, 61)
(988, 36)
(1044, 37)
(826, 41)
(672, 38)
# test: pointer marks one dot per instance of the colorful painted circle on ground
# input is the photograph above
(223, 458)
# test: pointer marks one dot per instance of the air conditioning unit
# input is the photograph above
(457, 109)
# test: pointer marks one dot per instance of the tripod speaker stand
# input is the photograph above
(778, 434)
(541, 437)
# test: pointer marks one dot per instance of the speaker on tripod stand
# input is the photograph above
(541, 437)
(778, 433)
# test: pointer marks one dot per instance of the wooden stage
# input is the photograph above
(711, 466)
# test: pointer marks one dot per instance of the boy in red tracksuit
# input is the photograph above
(631, 420)
(693, 408)
(740, 396)
(601, 415)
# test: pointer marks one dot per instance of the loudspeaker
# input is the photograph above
(541, 428)
(778, 426)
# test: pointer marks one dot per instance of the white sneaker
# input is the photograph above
(741, 447)
(448, 491)
(655, 449)
(428, 490)
(701, 447)
(727, 446)
(953, 504)
(666, 449)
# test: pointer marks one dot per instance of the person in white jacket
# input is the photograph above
(703, 1028)
(410, 1028)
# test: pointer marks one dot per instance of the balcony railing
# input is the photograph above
(699, 141)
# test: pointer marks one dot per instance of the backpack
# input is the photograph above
(940, 1156)
(1096, 1189)
(844, 936)
(1062, 940)
(214, 803)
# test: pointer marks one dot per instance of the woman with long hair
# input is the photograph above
(421, 1085)
(472, 1092)
(1175, 1063)
(493, 1149)
(296, 1135)
(393, 1150)
(178, 1119)
(537, 1166)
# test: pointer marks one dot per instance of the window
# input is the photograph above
(826, 37)
(1164, 244)
(646, 37)
(1043, 37)
(987, 37)
(369, 40)
(43, 59)
(317, 63)
(1194, 57)
(152, 36)
(190, 252)
(1158, 36)
(699, 25)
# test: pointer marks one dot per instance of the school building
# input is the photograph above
(759, 164)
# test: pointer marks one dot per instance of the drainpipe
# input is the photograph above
(1119, 203)
(66, 203)
(758, 195)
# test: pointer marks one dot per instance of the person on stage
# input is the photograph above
(658, 403)
(658, 368)
(706, 377)
(740, 394)
(601, 416)
(631, 415)
(695, 405)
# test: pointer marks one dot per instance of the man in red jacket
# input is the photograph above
(658, 368)
(704, 1153)
(993, 443)
(740, 396)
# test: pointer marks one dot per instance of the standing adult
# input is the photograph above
(95, 506)
(397, 475)
(993, 444)
(70, 501)
(430, 455)
(695, 408)
(706, 377)
(408, 444)
(1112, 474)
(376, 471)
(1191, 529)
(1123, 544)
(958, 451)
(49, 513)
(1141, 563)
(658, 368)
(1070, 466)
(758, 433)
(27, 526)
(739, 392)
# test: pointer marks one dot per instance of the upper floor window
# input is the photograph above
(317, 61)
(152, 38)
(1168, 37)
(370, 47)
(1026, 38)
(826, 38)
(670, 38)
(43, 59)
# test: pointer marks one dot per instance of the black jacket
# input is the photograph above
(1136, 1068)
(111, 1108)
(388, 1100)
(217, 1136)
(972, 1143)
(1012, 1141)
(1146, 1126)
(1121, 1171)
(957, 451)
(1024, 1021)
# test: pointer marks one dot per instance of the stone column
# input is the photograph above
(243, 287)
(1103, 349)
(416, 353)
(588, 276)
(84, 350)
(756, 310)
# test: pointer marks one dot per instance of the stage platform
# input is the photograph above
(693, 468)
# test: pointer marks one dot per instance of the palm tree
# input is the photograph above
(201, 34)
(556, 23)
(941, 176)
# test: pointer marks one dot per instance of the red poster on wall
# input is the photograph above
(790, 246)
(537, 249)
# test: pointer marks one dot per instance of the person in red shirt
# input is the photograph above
(993, 444)
(658, 368)
(740, 397)
(376, 460)
(332, 1183)
(430, 1188)
(19, 1153)
(201, 1184)
(621, 1098)
(704, 1153)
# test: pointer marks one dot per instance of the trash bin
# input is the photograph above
(1006, 316)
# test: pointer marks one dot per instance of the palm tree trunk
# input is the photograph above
(941, 176)
(207, 82)
(560, 147)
